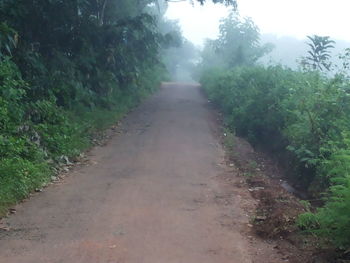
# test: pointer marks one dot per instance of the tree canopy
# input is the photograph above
(238, 44)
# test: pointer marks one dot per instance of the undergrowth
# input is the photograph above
(304, 119)
(36, 134)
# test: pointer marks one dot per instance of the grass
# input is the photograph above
(229, 141)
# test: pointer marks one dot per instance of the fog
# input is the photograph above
(295, 18)
(285, 24)
(197, 22)
(288, 50)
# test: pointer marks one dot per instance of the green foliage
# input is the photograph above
(333, 220)
(280, 108)
(319, 55)
(67, 70)
(239, 41)
(238, 44)
(229, 141)
(302, 117)
(8, 40)
(306, 204)
(19, 177)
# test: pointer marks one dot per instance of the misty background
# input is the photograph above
(286, 29)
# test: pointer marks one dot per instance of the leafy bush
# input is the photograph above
(21, 161)
(36, 133)
(19, 177)
(333, 220)
(302, 117)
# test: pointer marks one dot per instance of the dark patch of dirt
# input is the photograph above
(256, 174)
(277, 206)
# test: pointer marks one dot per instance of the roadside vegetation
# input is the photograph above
(302, 117)
(69, 69)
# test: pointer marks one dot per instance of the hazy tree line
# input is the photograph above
(300, 115)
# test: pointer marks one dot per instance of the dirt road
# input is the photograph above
(153, 194)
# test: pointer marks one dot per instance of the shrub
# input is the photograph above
(303, 118)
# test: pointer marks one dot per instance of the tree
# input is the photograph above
(64, 45)
(238, 43)
(319, 55)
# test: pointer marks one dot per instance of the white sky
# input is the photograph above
(296, 18)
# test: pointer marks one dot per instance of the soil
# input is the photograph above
(278, 205)
(161, 190)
